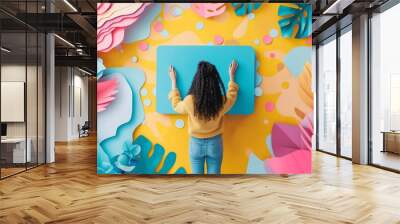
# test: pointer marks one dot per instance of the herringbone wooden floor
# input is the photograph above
(69, 191)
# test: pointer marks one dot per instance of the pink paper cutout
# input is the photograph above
(112, 20)
(208, 10)
(297, 162)
(289, 138)
(106, 91)
(292, 147)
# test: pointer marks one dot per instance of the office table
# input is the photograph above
(16, 147)
(391, 141)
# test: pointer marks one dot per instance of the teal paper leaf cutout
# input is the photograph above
(299, 15)
(148, 164)
(242, 9)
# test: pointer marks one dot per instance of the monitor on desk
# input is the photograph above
(3, 130)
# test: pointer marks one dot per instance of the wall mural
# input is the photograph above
(134, 139)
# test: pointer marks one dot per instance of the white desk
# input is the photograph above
(18, 144)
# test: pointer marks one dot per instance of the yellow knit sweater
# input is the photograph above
(200, 128)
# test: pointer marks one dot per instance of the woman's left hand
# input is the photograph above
(172, 76)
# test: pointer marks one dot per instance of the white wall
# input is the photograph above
(70, 84)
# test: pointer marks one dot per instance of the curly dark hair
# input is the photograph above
(208, 92)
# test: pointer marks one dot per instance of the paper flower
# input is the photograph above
(242, 9)
(208, 10)
(299, 15)
(106, 91)
(112, 20)
(128, 159)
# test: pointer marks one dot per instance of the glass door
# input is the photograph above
(346, 93)
(326, 105)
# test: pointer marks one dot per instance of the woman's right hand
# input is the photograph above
(172, 76)
(232, 69)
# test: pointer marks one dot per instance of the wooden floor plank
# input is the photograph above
(70, 191)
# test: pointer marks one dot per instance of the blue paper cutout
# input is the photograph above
(177, 11)
(114, 145)
(100, 68)
(242, 9)
(128, 159)
(296, 59)
(148, 164)
(255, 165)
(259, 79)
(269, 145)
(300, 16)
(258, 91)
(141, 29)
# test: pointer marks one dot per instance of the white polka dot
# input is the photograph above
(257, 41)
(147, 102)
(143, 92)
(155, 92)
(199, 25)
(251, 16)
(134, 59)
(164, 33)
(273, 33)
(180, 123)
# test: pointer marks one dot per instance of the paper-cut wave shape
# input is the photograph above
(106, 91)
(112, 20)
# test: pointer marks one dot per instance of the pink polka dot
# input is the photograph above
(269, 106)
(143, 46)
(267, 39)
(218, 40)
(158, 26)
(272, 54)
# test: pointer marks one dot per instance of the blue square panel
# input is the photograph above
(185, 60)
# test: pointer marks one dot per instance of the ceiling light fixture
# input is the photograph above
(64, 40)
(5, 50)
(84, 71)
(70, 5)
(337, 7)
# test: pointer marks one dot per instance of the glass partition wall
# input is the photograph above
(385, 90)
(22, 77)
(334, 94)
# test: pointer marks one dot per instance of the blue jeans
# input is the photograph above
(206, 150)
